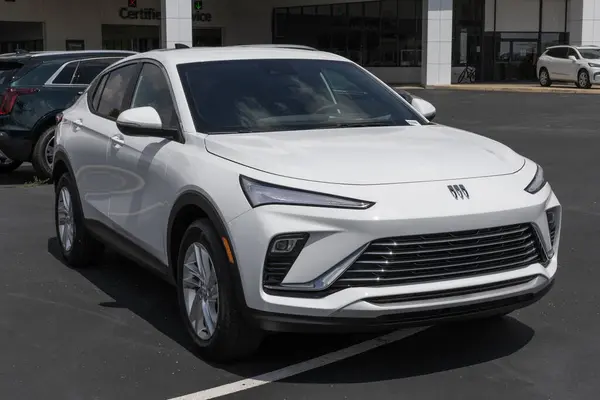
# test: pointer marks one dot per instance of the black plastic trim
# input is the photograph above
(197, 199)
(118, 242)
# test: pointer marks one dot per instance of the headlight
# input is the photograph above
(593, 65)
(261, 193)
(538, 181)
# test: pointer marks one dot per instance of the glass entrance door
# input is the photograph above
(515, 60)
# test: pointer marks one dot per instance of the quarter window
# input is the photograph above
(89, 69)
(113, 99)
(153, 90)
(66, 75)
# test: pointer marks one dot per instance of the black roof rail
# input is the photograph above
(280, 46)
(181, 46)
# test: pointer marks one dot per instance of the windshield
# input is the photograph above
(590, 53)
(239, 96)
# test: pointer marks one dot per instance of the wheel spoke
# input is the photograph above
(209, 319)
(206, 266)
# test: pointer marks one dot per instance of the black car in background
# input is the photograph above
(34, 88)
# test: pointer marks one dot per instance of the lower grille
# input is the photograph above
(551, 215)
(440, 256)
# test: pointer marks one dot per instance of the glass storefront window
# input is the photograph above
(371, 33)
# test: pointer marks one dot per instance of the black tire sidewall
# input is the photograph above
(38, 158)
(548, 82)
(588, 80)
(76, 255)
(201, 231)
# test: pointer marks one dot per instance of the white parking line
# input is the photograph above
(301, 367)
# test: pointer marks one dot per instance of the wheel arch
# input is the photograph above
(189, 206)
(61, 165)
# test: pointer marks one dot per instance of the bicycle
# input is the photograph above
(467, 73)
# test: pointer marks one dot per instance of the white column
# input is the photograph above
(436, 42)
(584, 22)
(176, 22)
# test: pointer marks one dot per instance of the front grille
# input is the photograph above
(440, 256)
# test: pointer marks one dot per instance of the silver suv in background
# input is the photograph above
(576, 64)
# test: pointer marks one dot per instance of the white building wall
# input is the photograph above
(437, 42)
(584, 22)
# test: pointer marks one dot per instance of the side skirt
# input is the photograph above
(128, 249)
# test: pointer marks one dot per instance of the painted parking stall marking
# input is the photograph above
(301, 367)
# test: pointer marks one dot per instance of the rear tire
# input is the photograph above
(226, 336)
(77, 247)
(42, 157)
(545, 78)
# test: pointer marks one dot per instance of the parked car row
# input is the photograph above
(34, 88)
(286, 189)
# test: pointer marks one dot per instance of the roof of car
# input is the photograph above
(200, 54)
(72, 53)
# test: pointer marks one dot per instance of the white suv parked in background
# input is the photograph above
(291, 190)
(579, 65)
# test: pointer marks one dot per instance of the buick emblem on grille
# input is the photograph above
(458, 191)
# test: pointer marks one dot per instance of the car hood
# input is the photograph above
(368, 156)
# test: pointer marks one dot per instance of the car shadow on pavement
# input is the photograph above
(434, 349)
(22, 176)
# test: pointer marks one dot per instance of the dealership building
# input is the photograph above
(402, 41)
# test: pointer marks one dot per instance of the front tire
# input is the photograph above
(206, 296)
(42, 157)
(545, 78)
(77, 247)
(583, 79)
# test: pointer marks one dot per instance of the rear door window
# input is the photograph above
(65, 76)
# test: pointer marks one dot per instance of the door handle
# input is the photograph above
(80, 92)
(78, 123)
(118, 140)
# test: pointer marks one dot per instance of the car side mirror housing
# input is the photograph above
(572, 58)
(143, 121)
(424, 107)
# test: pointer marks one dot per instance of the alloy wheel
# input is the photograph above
(543, 77)
(200, 291)
(66, 222)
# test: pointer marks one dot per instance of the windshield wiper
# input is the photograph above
(358, 124)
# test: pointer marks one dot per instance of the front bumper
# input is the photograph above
(594, 75)
(400, 210)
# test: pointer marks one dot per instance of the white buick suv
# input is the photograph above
(291, 190)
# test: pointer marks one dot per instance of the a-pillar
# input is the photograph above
(436, 56)
(584, 22)
(176, 23)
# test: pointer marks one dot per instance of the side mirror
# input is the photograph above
(143, 121)
(572, 58)
(424, 107)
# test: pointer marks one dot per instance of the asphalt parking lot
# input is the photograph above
(113, 332)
